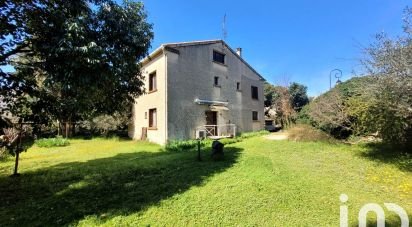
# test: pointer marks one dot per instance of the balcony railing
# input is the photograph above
(216, 131)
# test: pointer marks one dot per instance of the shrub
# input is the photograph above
(52, 142)
(303, 116)
(3, 153)
(304, 132)
(226, 141)
(344, 110)
(184, 145)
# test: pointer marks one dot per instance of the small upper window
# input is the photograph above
(255, 94)
(216, 81)
(152, 82)
(255, 115)
(218, 57)
(238, 86)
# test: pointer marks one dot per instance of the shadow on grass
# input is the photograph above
(104, 188)
(397, 156)
(390, 221)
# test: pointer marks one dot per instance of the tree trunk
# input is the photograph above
(58, 128)
(66, 129)
(18, 149)
(16, 163)
(73, 129)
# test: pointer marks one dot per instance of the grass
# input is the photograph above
(52, 142)
(260, 182)
(303, 132)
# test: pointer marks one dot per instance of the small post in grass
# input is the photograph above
(199, 158)
(200, 135)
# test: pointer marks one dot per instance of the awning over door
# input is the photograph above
(210, 102)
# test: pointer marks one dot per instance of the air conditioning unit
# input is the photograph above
(200, 134)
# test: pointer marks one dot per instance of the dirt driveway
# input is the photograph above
(277, 136)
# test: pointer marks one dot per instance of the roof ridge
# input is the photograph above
(203, 42)
(196, 42)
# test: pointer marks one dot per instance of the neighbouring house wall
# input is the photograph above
(191, 75)
(148, 101)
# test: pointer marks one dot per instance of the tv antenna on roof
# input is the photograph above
(224, 31)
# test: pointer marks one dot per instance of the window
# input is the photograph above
(152, 82)
(255, 115)
(238, 86)
(152, 119)
(218, 57)
(255, 94)
(216, 81)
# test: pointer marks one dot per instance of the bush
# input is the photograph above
(52, 142)
(184, 145)
(304, 132)
(303, 116)
(179, 145)
(344, 110)
(3, 153)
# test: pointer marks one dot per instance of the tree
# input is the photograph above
(298, 96)
(378, 104)
(329, 113)
(389, 61)
(80, 57)
(104, 124)
(278, 105)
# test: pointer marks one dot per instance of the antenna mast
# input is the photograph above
(224, 32)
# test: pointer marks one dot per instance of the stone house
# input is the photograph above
(200, 88)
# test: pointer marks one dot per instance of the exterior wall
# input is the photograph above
(148, 101)
(190, 75)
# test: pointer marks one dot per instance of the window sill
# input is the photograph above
(218, 86)
(255, 99)
(255, 121)
(152, 128)
(219, 63)
(152, 91)
(238, 90)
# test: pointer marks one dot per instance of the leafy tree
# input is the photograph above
(76, 59)
(298, 96)
(379, 104)
(104, 124)
(389, 61)
(344, 110)
(329, 113)
(278, 104)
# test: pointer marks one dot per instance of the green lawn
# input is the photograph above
(260, 183)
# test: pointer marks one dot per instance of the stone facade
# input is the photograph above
(186, 72)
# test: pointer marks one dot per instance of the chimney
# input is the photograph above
(239, 51)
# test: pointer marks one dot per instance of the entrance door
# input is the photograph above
(211, 121)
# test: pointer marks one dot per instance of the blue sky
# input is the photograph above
(298, 41)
